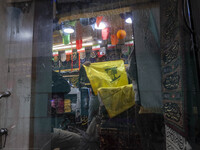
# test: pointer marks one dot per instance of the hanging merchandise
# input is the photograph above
(79, 34)
(114, 39)
(129, 43)
(68, 51)
(121, 34)
(92, 21)
(74, 56)
(68, 24)
(63, 56)
(93, 56)
(95, 47)
(117, 99)
(124, 53)
(55, 58)
(106, 74)
(98, 20)
(84, 21)
(125, 50)
(110, 46)
(66, 39)
(82, 57)
(78, 44)
(68, 58)
(122, 15)
(93, 26)
(72, 23)
(87, 21)
(81, 50)
(102, 51)
(55, 63)
(105, 33)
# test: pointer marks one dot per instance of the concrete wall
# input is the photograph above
(16, 40)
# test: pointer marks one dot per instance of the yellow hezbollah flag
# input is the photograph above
(106, 74)
(117, 99)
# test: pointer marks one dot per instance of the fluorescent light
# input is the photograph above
(128, 20)
(57, 47)
(99, 41)
(68, 30)
(87, 44)
(74, 42)
(102, 25)
(64, 47)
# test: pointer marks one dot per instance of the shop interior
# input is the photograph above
(106, 74)
(92, 37)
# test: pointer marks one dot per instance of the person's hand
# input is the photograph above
(87, 63)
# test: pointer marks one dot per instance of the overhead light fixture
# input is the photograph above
(88, 44)
(99, 41)
(102, 25)
(64, 47)
(128, 20)
(68, 30)
(59, 47)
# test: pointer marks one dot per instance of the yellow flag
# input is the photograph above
(117, 99)
(106, 74)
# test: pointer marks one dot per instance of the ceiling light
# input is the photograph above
(102, 25)
(99, 41)
(128, 20)
(56, 47)
(87, 44)
(68, 30)
(64, 47)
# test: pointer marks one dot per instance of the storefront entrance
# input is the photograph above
(86, 74)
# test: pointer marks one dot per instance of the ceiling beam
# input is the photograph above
(95, 14)
(105, 9)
